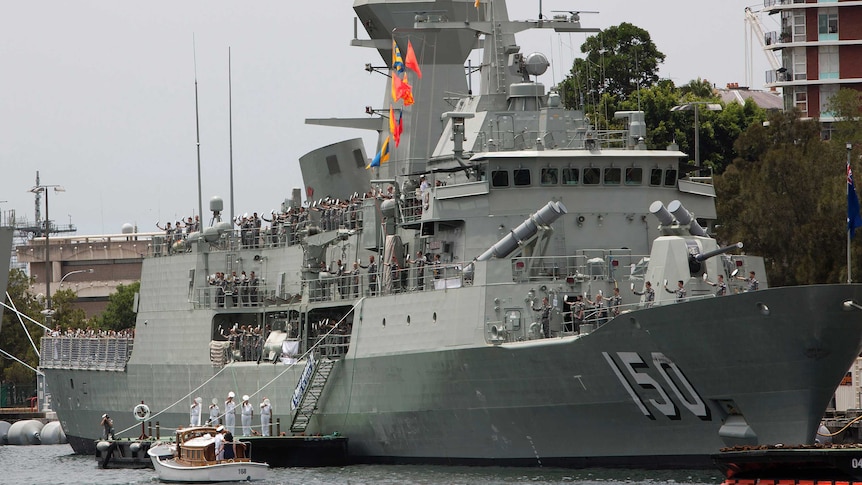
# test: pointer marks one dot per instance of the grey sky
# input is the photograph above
(99, 96)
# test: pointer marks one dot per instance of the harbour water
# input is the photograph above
(56, 465)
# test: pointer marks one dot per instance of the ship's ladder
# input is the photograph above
(320, 371)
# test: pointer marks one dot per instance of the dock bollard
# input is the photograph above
(158, 431)
(278, 426)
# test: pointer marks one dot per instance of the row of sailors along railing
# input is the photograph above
(326, 286)
(86, 353)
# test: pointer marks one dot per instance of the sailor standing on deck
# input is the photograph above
(265, 416)
(247, 413)
(214, 412)
(722, 286)
(545, 317)
(751, 283)
(679, 291)
(230, 412)
(195, 412)
(648, 291)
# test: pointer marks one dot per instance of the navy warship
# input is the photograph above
(502, 284)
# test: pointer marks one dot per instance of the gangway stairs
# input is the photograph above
(320, 371)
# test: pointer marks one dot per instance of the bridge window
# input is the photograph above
(634, 176)
(592, 176)
(655, 177)
(499, 178)
(521, 177)
(359, 158)
(670, 178)
(332, 164)
(613, 176)
(549, 176)
(571, 176)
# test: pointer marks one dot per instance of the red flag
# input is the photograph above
(393, 128)
(399, 127)
(397, 87)
(411, 61)
(406, 92)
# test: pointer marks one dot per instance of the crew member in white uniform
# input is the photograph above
(265, 416)
(247, 413)
(230, 412)
(195, 412)
(214, 413)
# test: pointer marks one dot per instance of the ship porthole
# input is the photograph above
(764, 310)
(384, 322)
(434, 317)
(408, 319)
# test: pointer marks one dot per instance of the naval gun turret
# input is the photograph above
(684, 252)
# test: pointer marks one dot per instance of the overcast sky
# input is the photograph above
(99, 95)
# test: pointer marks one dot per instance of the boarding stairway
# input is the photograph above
(321, 369)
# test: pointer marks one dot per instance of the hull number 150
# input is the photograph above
(670, 379)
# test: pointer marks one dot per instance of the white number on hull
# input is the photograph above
(637, 368)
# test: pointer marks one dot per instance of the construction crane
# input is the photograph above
(755, 28)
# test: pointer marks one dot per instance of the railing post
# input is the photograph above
(278, 426)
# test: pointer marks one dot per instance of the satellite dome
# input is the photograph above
(127, 228)
(536, 64)
(216, 204)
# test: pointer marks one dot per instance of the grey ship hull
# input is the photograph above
(651, 388)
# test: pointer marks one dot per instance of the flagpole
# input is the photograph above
(849, 276)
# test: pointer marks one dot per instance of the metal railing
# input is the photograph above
(86, 353)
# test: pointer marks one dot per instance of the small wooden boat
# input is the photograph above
(192, 458)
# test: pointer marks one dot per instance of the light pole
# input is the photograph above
(77, 271)
(37, 190)
(694, 106)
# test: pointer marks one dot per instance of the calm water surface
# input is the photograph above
(56, 465)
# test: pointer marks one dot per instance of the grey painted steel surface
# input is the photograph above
(450, 366)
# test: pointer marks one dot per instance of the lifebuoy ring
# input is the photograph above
(141, 412)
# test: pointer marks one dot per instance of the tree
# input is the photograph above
(784, 197)
(618, 60)
(13, 337)
(66, 314)
(119, 313)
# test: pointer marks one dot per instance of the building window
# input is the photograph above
(500, 178)
(827, 91)
(655, 176)
(828, 61)
(592, 176)
(800, 64)
(549, 176)
(571, 176)
(800, 100)
(522, 177)
(332, 164)
(634, 176)
(827, 24)
(613, 176)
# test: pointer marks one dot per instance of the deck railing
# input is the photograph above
(86, 353)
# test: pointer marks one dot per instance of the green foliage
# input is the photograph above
(66, 314)
(13, 338)
(618, 60)
(784, 197)
(118, 314)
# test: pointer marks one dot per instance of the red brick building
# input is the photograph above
(820, 44)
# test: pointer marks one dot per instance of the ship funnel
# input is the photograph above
(543, 217)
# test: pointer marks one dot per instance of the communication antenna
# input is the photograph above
(197, 128)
